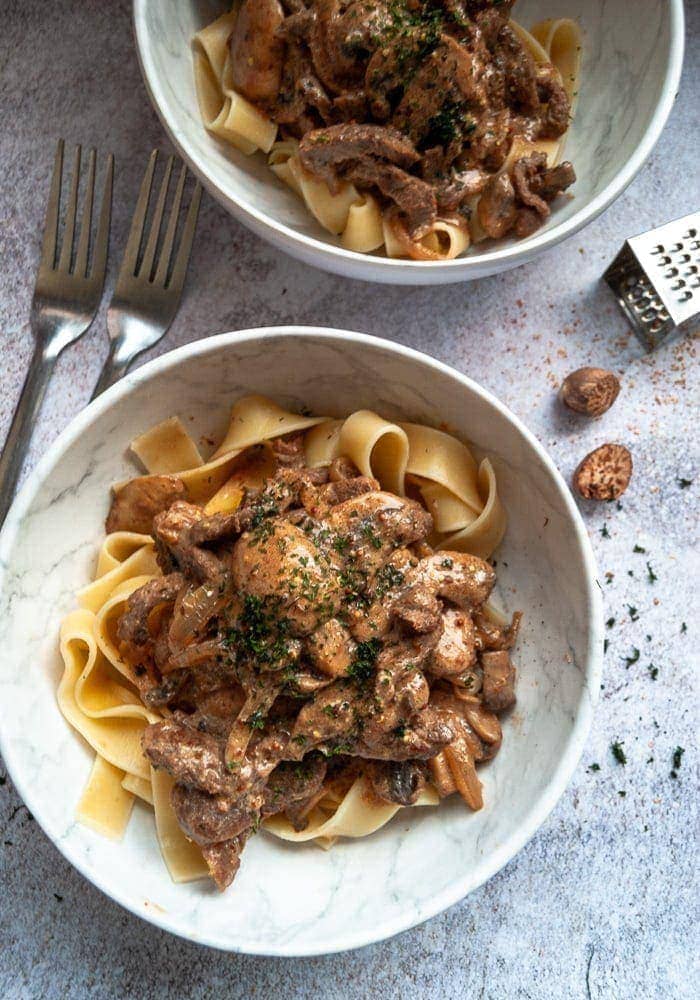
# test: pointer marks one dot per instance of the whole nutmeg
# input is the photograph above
(590, 390)
(605, 473)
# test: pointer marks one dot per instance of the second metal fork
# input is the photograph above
(66, 297)
(148, 290)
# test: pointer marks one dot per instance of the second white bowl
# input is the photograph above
(629, 79)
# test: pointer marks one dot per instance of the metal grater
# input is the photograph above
(656, 279)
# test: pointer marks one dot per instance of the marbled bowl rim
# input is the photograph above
(592, 667)
(313, 250)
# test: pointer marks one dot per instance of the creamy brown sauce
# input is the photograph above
(308, 636)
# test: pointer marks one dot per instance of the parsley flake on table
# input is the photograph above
(653, 671)
(633, 613)
(618, 753)
(684, 483)
(632, 658)
(651, 575)
(638, 548)
(610, 622)
(604, 531)
(677, 756)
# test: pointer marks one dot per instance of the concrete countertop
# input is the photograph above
(603, 901)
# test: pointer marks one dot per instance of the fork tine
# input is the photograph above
(131, 252)
(48, 245)
(177, 279)
(150, 251)
(81, 256)
(167, 248)
(67, 247)
(99, 254)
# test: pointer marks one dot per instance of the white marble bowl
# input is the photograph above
(299, 900)
(629, 79)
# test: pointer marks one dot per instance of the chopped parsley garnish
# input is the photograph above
(362, 666)
(341, 544)
(618, 753)
(677, 756)
(259, 634)
(257, 719)
(372, 537)
(632, 658)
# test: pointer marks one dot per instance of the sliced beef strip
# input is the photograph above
(137, 503)
(326, 151)
(210, 819)
(318, 500)
(293, 782)
(428, 733)
(288, 450)
(497, 209)
(342, 38)
(191, 757)
(444, 96)
(459, 578)
(342, 468)
(557, 117)
(133, 624)
(498, 688)
(388, 70)
(224, 859)
(171, 532)
(415, 200)
(396, 781)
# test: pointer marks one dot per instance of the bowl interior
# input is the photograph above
(301, 900)
(624, 79)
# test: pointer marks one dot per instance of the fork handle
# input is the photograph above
(26, 412)
(112, 370)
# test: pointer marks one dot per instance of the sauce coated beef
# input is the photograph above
(418, 101)
(310, 634)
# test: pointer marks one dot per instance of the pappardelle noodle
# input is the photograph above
(294, 632)
(412, 127)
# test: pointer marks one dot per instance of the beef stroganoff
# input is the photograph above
(294, 633)
(415, 127)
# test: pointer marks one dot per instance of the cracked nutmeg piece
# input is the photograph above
(605, 473)
(591, 391)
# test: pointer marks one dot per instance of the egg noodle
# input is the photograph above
(356, 217)
(97, 693)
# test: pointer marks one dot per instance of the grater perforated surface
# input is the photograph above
(656, 278)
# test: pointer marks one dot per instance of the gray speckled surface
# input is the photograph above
(603, 901)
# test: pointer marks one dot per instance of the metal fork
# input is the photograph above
(66, 297)
(148, 291)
